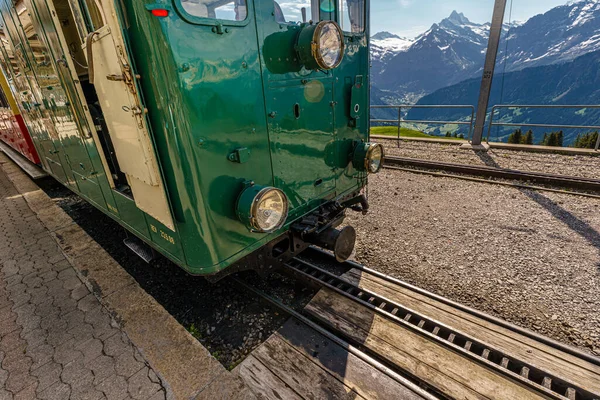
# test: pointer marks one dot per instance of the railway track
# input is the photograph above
(560, 181)
(538, 380)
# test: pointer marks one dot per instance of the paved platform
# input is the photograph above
(57, 341)
(75, 325)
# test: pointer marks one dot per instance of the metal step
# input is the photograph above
(140, 248)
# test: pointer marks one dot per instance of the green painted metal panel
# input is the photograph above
(213, 89)
(207, 104)
(302, 141)
(131, 216)
(166, 240)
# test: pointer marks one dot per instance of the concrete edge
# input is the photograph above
(533, 148)
(30, 168)
(186, 368)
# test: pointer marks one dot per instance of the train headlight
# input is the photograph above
(321, 46)
(262, 209)
(368, 157)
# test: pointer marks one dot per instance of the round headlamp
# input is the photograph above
(321, 46)
(262, 209)
(368, 157)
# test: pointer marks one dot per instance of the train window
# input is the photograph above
(294, 11)
(10, 54)
(352, 15)
(92, 12)
(230, 10)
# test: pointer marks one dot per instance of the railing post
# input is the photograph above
(470, 137)
(488, 71)
(492, 114)
(399, 123)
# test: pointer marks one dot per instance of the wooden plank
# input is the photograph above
(449, 372)
(573, 369)
(344, 366)
(263, 382)
(300, 373)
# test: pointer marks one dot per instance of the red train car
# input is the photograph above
(13, 131)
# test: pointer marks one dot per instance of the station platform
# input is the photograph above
(75, 325)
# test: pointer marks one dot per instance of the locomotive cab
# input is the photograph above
(227, 134)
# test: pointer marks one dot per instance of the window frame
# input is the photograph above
(195, 20)
(339, 17)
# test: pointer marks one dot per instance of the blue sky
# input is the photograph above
(412, 17)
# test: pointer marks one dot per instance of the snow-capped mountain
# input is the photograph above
(573, 82)
(560, 35)
(385, 45)
(454, 49)
(414, 67)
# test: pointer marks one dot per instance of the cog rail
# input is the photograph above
(529, 375)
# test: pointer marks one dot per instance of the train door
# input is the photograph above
(352, 80)
(116, 86)
(37, 116)
(111, 82)
(299, 102)
(87, 167)
(60, 120)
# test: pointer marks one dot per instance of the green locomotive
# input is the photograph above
(226, 134)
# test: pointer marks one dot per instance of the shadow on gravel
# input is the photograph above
(574, 223)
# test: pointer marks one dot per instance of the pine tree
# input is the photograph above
(448, 134)
(559, 139)
(528, 137)
(515, 137)
(586, 140)
(455, 134)
(545, 139)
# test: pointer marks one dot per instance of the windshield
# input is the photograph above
(296, 11)
(233, 10)
(352, 15)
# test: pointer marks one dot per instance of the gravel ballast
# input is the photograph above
(529, 257)
(572, 165)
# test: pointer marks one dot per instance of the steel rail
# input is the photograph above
(494, 182)
(399, 121)
(534, 125)
(510, 366)
(487, 317)
(483, 170)
(425, 106)
(339, 341)
(417, 121)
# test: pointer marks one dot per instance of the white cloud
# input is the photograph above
(405, 3)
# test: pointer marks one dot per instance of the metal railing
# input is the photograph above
(493, 113)
(399, 121)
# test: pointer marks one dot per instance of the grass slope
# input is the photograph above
(404, 132)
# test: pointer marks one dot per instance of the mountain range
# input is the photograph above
(573, 82)
(432, 67)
